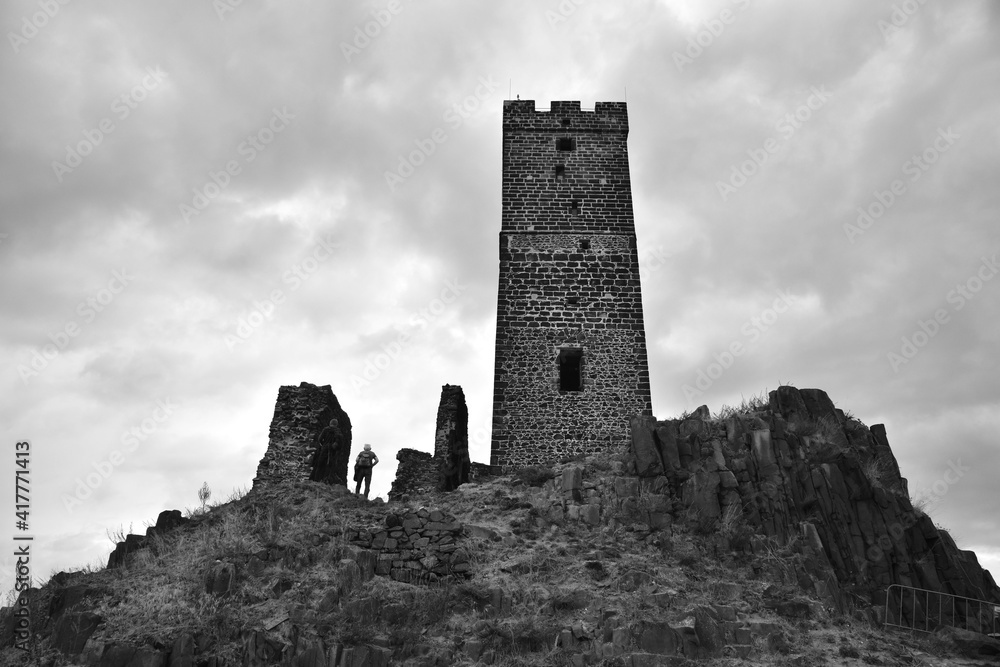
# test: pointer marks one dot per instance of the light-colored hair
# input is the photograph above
(368, 447)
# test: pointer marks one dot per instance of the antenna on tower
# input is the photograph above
(510, 84)
(626, 93)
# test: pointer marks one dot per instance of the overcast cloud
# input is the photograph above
(202, 201)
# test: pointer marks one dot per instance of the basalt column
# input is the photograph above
(571, 363)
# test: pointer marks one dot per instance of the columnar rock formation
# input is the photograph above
(802, 467)
(293, 450)
(571, 362)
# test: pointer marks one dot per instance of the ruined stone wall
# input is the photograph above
(416, 472)
(300, 414)
(569, 281)
(416, 546)
(449, 467)
(451, 439)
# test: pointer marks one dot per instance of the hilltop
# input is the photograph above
(765, 534)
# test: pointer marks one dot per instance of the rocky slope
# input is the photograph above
(732, 540)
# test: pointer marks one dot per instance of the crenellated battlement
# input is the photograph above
(565, 116)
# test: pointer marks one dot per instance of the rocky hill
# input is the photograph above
(764, 535)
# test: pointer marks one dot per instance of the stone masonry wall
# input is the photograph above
(416, 546)
(569, 281)
(416, 472)
(449, 467)
(451, 439)
(300, 414)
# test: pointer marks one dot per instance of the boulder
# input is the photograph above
(658, 637)
(72, 630)
(219, 578)
(711, 636)
(701, 493)
(648, 463)
(971, 644)
(666, 438)
(182, 651)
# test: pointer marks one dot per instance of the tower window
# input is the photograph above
(565, 144)
(574, 206)
(560, 172)
(584, 244)
(565, 122)
(570, 362)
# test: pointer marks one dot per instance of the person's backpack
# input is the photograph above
(364, 460)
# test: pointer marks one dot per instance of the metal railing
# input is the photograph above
(924, 610)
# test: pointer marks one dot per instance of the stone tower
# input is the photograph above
(571, 347)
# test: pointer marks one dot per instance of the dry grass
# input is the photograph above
(551, 575)
(748, 407)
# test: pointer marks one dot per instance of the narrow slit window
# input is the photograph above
(584, 244)
(560, 172)
(574, 206)
(570, 370)
(565, 144)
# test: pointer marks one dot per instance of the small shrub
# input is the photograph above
(732, 517)
(204, 493)
(874, 469)
(921, 504)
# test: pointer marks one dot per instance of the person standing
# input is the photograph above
(324, 458)
(363, 469)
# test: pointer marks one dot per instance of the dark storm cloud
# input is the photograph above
(340, 165)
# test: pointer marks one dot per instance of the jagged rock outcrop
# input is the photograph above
(166, 521)
(294, 451)
(801, 467)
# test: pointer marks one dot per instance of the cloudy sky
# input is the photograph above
(203, 201)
